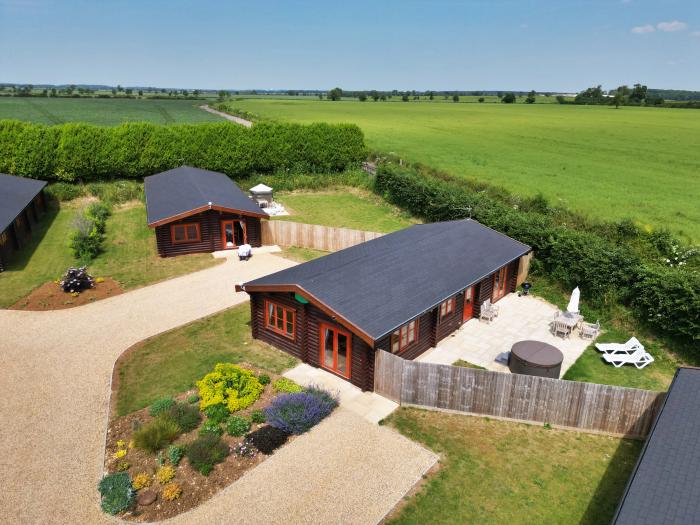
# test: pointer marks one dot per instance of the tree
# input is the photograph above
(592, 95)
(455, 98)
(531, 97)
(53, 91)
(119, 88)
(561, 99)
(374, 94)
(638, 94)
(114, 92)
(223, 94)
(335, 94)
(404, 97)
(383, 98)
(320, 96)
(362, 97)
(431, 95)
(196, 92)
(481, 99)
(129, 91)
(508, 98)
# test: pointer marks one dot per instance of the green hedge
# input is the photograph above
(607, 270)
(71, 152)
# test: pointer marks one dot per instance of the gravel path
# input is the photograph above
(55, 371)
(232, 118)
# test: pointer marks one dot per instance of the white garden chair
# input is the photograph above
(562, 327)
(487, 313)
(629, 347)
(639, 358)
(589, 330)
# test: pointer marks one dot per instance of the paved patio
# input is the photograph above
(368, 405)
(520, 318)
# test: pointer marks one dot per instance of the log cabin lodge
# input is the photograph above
(402, 293)
(194, 211)
(22, 203)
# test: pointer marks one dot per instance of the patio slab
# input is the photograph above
(520, 318)
(368, 405)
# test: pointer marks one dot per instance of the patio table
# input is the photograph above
(570, 320)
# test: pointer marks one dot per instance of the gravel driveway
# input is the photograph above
(55, 371)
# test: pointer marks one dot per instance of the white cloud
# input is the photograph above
(672, 26)
(640, 30)
(696, 34)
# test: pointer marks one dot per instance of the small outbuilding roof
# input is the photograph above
(185, 191)
(260, 188)
(665, 484)
(15, 194)
(379, 285)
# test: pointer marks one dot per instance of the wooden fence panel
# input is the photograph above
(288, 233)
(585, 406)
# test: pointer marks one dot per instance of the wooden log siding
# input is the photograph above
(16, 234)
(585, 406)
(307, 344)
(325, 238)
(210, 233)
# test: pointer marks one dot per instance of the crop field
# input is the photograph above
(103, 111)
(639, 163)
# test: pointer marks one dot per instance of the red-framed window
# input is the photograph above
(280, 319)
(447, 308)
(336, 349)
(404, 337)
(182, 233)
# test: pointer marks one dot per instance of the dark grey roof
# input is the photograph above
(15, 194)
(184, 189)
(665, 484)
(380, 284)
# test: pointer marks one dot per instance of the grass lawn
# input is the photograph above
(467, 364)
(499, 472)
(129, 254)
(618, 327)
(593, 159)
(170, 363)
(349, 208)
(294, 253)
(104, 112)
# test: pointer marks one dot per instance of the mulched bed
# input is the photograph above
(50, 296)
(196, 488)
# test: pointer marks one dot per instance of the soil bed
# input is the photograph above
(196, 488)
(50, 296)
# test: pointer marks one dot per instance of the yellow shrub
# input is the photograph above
(119, 454)
(120, 443)
(100, 280)
(171, 491)
(165, 474)
(141, 480)
(229, 385)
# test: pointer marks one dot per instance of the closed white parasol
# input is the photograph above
(573, 302)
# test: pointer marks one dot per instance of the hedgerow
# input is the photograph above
(84, 152)
(609, 262)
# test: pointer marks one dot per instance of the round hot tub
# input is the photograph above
(535, 358)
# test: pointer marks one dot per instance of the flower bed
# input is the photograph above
(172, 472)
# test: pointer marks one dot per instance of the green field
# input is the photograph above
(103, 112)
(641, 163)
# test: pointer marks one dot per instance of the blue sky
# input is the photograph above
(558, 45)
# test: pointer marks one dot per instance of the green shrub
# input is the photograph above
(286, 386)
(159, 406)
(64, 191)
(186, 416)
(205, 452)
(155, 435)
(116, 493)
(229, 385)
(193, 399)
(83, 152)
(217, 413)
(211, 427)
(175, 453)
(264, 379)
(86, 239)
(257, 416)
(237, 425)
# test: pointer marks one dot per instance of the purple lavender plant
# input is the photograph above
(298, 413)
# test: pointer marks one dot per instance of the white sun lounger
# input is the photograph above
(629, 347)
(639, 358)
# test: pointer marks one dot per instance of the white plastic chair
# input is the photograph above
(589, 330)
(638, 358)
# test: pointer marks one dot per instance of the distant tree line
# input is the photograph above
(637, 95)
(337, 93)
(74, 91)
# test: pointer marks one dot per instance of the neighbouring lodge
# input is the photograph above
(194, 210)
(22, 203)
(664, 486)
(402, 293)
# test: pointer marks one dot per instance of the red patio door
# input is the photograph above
(500, 284)
(335, 349)
(468, 304)
(233, 234)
